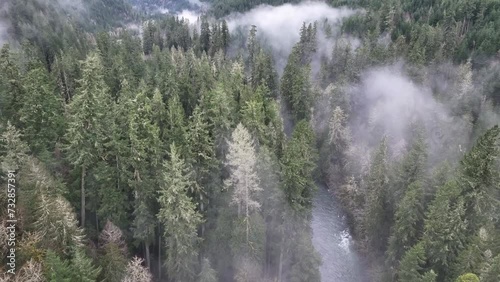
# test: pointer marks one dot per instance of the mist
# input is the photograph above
(279, 27)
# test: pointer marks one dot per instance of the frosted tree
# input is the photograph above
(465, 79)
(135, 272)
(338, 133)
(241, 159)
(30, 272)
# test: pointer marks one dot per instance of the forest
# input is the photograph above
(139, 147)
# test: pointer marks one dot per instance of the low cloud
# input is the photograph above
(279, 26)
(387, 102)
(191, 16)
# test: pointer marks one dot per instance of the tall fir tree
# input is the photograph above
(179, 217)
(88, 118)
(298, 165)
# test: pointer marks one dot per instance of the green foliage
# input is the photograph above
(444, 231)
(179, 217)
(468, 277)
(298, 165)
(412, 266)
(408, 225)
(377, 217)
(117, 102)
(41, 113)
(11, 93)
(83, 269)
(295, 85)
(57, 269)
(88, 115)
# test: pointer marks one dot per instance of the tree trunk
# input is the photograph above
(148, 258)
(280, 266)
(247, 218)
(82, 188)
(202, 211)
(159, 252)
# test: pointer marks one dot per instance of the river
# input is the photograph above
(331, 238)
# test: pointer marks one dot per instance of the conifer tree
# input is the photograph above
(41, 113)
(14, 151)
(412, 266)
(175, 124)
(205, 35)
(11, 89)
(225, 36)
(408, 223)
(296, 87)
(376, 217)
(412, 166)
(83, 269)
(445, 226)
(201, 155)
(135, 272)
(241, 159)
(56, 269)
(298, 164)
(87, 121)
(179, 217)
(113, 253)
(144, 159)
(478, 174)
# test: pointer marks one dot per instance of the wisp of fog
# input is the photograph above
(280, 26)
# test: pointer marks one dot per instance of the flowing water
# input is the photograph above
(331, 238)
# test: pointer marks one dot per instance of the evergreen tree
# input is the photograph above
(444, 231)
(225, 36)
(408, 223)
(492, 272)
(41, 112)
(135, 272)
(56, 269)
(478, 174)
(83, 270)
(144, 159)
(377, 219)
(201, 153)
(205, 35)
(14, 151)
(87, 121)
(298, 164)
(412, 167)
(241, 159)
(12, 92)
(113, 253)
(412, 266)
(175, 124)
(295, 86)
(179, 217)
